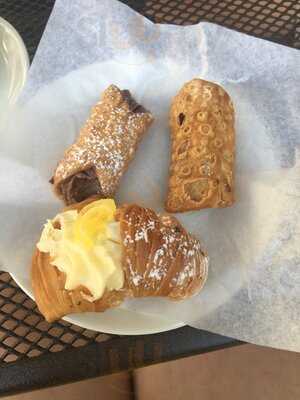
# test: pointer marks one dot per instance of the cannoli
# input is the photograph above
(107, 143)
(202, 148)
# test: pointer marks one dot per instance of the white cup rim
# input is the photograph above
(22, 53)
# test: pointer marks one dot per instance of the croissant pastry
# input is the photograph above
(92, 256)
(203, 143)
(107, 142)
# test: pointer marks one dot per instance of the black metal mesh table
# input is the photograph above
(34, 353)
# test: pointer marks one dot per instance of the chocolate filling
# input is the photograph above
(133, 105)
(80, 186)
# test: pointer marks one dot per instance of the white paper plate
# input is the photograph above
(65, 114)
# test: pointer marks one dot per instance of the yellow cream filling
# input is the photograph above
(86, 247)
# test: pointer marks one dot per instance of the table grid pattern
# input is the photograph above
(25, 333)
(274, 20)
